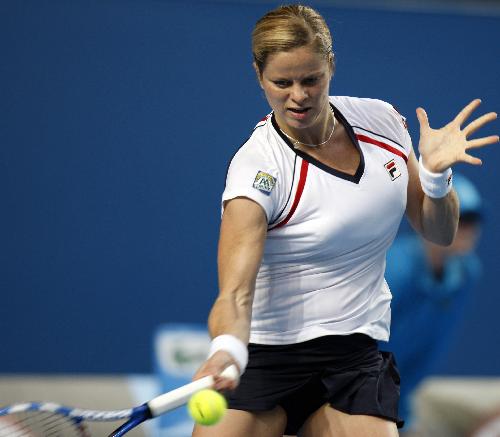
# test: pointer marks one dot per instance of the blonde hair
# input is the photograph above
(289, 27)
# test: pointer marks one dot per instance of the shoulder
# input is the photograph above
(263, 145)
(259, 169)
(364, 105)
(368, 110)
(374, 115)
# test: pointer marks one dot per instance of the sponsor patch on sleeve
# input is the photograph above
(264, 182)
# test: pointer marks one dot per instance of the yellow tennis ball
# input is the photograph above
(207, 407)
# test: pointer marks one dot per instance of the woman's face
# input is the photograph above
(296, 84)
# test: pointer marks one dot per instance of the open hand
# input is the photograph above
(442, 148)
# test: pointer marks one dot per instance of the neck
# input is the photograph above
(317, 135)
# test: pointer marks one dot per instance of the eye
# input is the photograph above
(282, 83)
(309, 81)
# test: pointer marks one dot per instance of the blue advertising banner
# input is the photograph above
(179, 350)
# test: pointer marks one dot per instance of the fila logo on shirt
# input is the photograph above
(392, 169)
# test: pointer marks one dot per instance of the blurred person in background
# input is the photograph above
(430, 286)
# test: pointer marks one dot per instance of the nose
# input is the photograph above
(298, 93)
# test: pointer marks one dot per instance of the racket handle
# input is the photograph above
(180, 396)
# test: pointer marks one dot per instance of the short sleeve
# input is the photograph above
(400, 128)
(252, 174)
(376, 117)
(392, 123)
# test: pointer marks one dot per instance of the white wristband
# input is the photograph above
(435, 185)
(233, 346)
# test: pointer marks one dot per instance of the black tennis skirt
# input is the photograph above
(348, 372)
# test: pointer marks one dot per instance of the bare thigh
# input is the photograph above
(329, 422)
(237, 423)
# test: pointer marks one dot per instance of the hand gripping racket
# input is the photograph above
(42, 419)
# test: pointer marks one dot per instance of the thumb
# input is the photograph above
(422, 119)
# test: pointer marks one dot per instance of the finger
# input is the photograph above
(215, 365)
(465, 113)
(479, 122)
(479, 142)
(423, 120)
(469, 159)
(222, 384)
(206, 371)
(226, 382)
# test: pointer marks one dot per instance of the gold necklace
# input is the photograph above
(297, 142)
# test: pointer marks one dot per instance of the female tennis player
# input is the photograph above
(312, 202)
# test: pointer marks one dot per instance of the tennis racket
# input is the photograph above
(43, 419)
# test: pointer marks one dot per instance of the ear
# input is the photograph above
(331, 59)
(258, 73)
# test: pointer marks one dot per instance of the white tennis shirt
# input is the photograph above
(322, 272)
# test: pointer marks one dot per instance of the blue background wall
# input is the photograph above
(118, 119)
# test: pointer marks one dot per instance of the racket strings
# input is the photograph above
(40, 424)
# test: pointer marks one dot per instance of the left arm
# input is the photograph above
(436, 217)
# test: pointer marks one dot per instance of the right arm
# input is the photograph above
(241, 245)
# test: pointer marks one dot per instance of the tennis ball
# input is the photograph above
(207, 407)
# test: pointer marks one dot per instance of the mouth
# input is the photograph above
(299, 110)
(299, 114)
